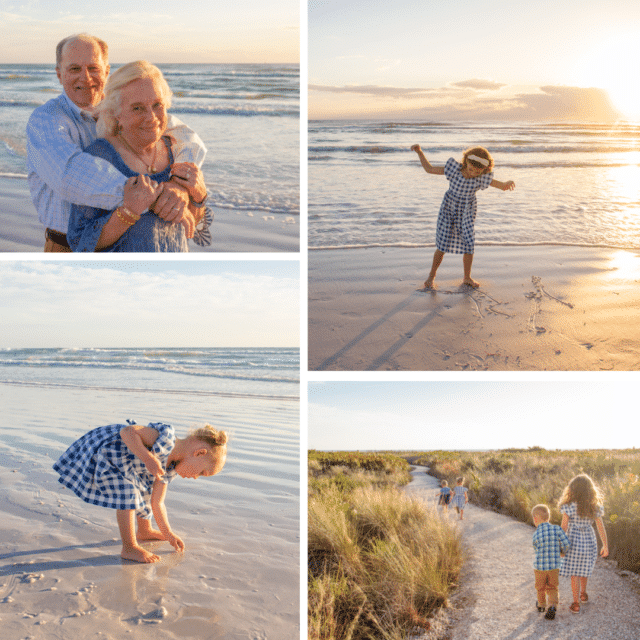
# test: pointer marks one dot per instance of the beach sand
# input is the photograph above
(61, 575)
(538, 308)
(241, 231)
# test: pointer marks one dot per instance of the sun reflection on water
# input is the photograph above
(625, 184)
(625, 265)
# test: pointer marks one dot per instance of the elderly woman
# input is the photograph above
(132, 120)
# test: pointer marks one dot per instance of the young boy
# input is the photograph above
(550, 543)
(445, 495)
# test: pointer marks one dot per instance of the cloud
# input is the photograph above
(72, 305)
(480, 100)
(552, 103)
(480, 85)
(382, 92)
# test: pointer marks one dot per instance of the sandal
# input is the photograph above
(575, 607)
(584, 597)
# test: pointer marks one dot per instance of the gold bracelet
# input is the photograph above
(127, 216)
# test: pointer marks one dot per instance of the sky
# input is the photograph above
(439, 60)
(149, 303)
(252, 31)
(367, 416)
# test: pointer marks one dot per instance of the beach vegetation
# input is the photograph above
(512, 481)
(380, 560)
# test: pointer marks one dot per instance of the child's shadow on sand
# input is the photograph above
(94, 561)
(408, 334)
(535, 627)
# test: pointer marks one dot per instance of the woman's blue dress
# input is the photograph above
(150, 233)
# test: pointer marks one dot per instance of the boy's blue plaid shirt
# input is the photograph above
(549, 541)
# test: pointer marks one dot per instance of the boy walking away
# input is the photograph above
(550, 543)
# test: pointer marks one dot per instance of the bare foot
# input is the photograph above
(428, 283)
(138, 554)
(149, 534)
(471, 283)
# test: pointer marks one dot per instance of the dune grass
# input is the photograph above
(512, 481)
(380, 561)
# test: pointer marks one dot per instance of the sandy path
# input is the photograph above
(497, 599)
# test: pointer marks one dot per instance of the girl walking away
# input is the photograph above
(128, 468)
(455, 232)
(460, 497)
(581, 506)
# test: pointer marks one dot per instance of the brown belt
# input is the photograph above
(58, 238)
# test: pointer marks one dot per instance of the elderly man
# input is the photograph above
(58, 132)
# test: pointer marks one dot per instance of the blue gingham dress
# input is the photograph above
(458, 498)
(581, 557)
(100, 469)
(455, 230)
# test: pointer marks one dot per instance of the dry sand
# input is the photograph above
(538, 308)
(496, 599)
(241, 231)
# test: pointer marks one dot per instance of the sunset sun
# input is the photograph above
(608, 68)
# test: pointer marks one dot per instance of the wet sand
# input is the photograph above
(241, 231)
(61, 575)
(538, 308)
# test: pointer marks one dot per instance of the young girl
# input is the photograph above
(128, 468)
(460, 497)
(455, 232)
(581, 505)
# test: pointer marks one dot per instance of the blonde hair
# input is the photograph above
(443, 483)
(83, 37)
(211, 436)
(583, 491)
(111, 107)
(460, 480)
(541, 511)
(481, 152)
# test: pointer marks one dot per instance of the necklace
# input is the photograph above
(150, 167)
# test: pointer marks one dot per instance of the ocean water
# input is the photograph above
(247, 115)
(241, 528)
(233, 372)
(576, 184)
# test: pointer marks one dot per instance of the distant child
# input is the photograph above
(550, 542)
(460, 497)
(455, 232)
(445, 495)
(128, 468)
(581, 506)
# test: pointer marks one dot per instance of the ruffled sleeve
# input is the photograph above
(450, 168)
(163, 446)
(485, 180)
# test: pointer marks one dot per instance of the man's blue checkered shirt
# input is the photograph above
(549, 541)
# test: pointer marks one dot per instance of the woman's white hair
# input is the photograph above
(110, 107)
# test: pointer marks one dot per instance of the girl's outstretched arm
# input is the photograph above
(158, 493)
(604, 552)
(505, 186)
(426, 165)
